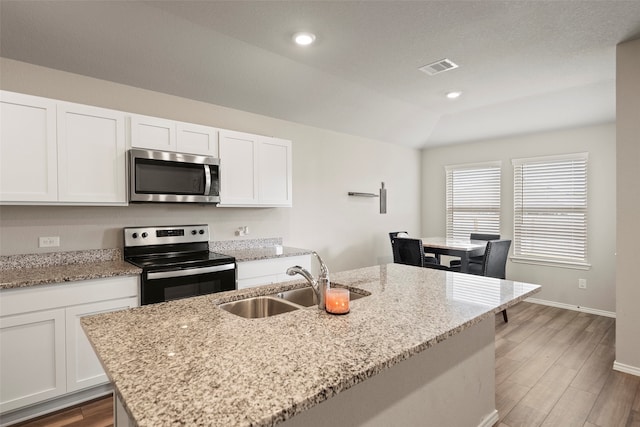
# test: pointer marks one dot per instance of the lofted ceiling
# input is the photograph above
(524, 66)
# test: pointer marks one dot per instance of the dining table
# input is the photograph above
(462, 248)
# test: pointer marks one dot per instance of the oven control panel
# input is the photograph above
(145, 236)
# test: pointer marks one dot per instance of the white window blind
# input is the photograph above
(473, 199)
(550, 209)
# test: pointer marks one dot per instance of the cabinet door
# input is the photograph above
(91, 155)
(197, 139)
(274, 172)
(28, 163)
(32, 354)
(83, 367)
(238, 162)
(153, 133)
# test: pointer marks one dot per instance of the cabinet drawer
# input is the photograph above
(45, 297)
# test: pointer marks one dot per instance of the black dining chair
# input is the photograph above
(427, 259)
(475, 259)
(409, 251)
(494, 263)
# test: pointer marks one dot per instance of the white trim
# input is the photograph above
(542, 159)
(572, 307)
(627, 369)
(494, 163)
(490, 420)
(549, 263)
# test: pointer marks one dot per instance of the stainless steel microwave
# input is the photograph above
(163, 176)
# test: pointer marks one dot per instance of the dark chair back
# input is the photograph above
(483, 236)
(394, 234)
(408, 251)
(495, 258)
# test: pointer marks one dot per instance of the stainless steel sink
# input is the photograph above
(257, 307)
(306, 297)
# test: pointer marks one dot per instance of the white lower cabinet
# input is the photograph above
(83, 367)
(32, 350)
(44, 353)
(268, 271)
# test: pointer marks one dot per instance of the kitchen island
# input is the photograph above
(417, 350)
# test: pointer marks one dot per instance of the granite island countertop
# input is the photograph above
(189, 362)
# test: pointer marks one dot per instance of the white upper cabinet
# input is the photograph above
(197, 139)
(91, 155)
(274, 172)
(55, 152)
(28, 162)
(238, 163)
(153, 133)
(168, 135)
(254, 170)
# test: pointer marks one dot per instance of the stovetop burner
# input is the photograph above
(183, 246)
(190, 260)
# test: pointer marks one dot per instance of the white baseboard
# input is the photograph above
(572, 307)
(627, 369)
(490, 419)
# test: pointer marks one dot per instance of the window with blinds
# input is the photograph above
(473, 199)
(550, 209)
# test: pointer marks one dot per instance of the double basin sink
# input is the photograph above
(278, 303)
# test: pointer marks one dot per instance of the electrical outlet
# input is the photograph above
(582, 283)
(49, 242)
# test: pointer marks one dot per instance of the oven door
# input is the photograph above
(167, 285)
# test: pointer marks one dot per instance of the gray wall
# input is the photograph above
(628, 206)
(348, 232)
(559, 285)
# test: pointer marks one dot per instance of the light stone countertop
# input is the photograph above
(188, 362)
(21, 271)
(254, 254)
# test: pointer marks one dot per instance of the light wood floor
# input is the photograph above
(96, 413)
(553, 368)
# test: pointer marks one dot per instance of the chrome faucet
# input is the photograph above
(320, 285)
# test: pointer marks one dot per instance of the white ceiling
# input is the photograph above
(525, 66)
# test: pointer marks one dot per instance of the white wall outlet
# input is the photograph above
(49, 242)
(242, 231)
(582, 283)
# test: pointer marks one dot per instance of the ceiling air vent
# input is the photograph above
(438, 67)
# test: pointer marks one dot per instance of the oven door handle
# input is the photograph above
(190, 271)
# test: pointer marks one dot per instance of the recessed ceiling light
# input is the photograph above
(304, 39)
(453, 95)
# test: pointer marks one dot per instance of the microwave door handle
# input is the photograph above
(207, 180)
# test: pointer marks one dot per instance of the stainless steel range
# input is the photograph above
(176, 262)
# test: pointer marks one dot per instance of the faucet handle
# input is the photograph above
(324, 271)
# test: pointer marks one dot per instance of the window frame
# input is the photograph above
(489, 210)
(571, 206)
